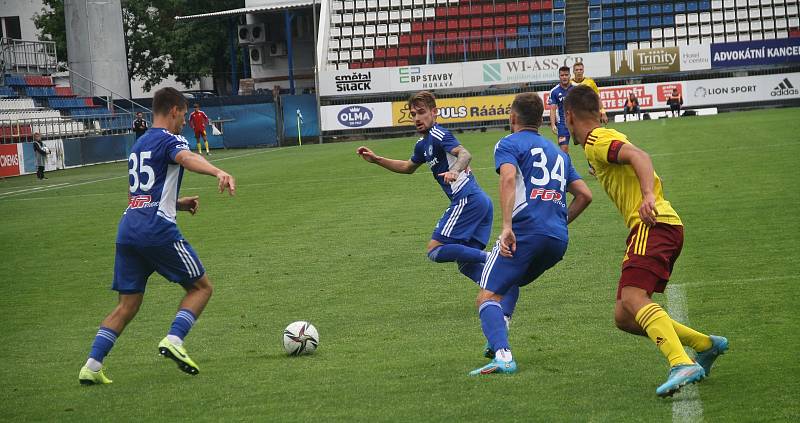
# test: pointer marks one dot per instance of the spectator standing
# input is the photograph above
(41, 152)
(139, 125)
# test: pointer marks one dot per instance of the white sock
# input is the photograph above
(175, 340)
(503, 355)
(94, 365)
(508, 322)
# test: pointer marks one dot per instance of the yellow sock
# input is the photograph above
(658, 325)
(207, 150)
(199, 148)
(688, 336)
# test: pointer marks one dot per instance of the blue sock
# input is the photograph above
(103, 342)
(183, 322)
(509, 301)
(457, 252)
(493, 324)
(471, 270)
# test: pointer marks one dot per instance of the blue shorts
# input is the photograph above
(468, 220)
(534, 255)
(133, 264)
(563, 135)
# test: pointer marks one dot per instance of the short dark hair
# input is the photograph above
(576, 64)
(167, 98)
(529, 109)
(424, 98)
(583, 101)
(564, 69)
(196, 104)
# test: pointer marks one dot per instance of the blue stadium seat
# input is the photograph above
(655, 8)
(535, 30)
(644, 22)
(631, 11)
(595, 25)
(632, 35)
(655, 21)
(547, 17)
(595, 14)
(594, 37)
(619, 35)
(691, 6)
(705, 6)
(558, 16)
(523, 30)
(619, 23)
(668, 8)
(559, 4)
(620, 46)
(511, 44)
(644, 10)
(680, 7)
(536, 18)
(608, 25)
(669, 20)
(608, 13)
(595, 48)
(631, 23)
(594, 2)
(644, 34)
(619, 11)
(608, 37)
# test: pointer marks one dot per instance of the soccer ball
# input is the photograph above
(300, 338)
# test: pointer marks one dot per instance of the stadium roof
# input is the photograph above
(273, 6)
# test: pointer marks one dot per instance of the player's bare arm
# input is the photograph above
(190, 204)
(582, 197)
(553, 114)
(643, 166)
(198, 164)
(508, 185)
(462, 162)
(397, 166)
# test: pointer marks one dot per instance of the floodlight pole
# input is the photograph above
(287, 18)
(316, 71)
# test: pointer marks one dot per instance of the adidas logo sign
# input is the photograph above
(660, 340)
(784, 88)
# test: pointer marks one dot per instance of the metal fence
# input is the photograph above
(22, 56)
(22, 130)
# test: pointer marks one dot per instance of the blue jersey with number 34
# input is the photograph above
(543, 174)
(154, 180)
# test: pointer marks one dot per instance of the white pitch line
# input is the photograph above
(32, 189)
(687, 407)
(70, 185)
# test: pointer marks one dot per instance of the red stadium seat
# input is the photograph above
(405, 40)
(416, 38)
(402, 62)
(415, 51)
(428, 26)
(355, 65)
(475, 23)
(379, 63)
(380, 53)
(452, 24)
(523, 19)
(511, 20)
(440, 25)
(403, 52)
(391, 63)
(500, 8)
(488, 9)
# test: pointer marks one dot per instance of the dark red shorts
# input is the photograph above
(651, 254)
(200, 133)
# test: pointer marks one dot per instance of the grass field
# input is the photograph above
(316, 233)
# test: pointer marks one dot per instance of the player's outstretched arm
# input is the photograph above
(582, 197)
(198, 164)
(397, 166)
(463, 157)
(643, 166)
(508, 188)
(553, 114)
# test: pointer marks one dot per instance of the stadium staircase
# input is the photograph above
(577, 26)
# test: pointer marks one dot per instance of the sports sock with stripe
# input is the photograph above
(493, 325)
(184, 320)
(103, 342)
(656, 322)
(456, 252)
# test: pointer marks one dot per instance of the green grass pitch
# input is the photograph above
(316, 233)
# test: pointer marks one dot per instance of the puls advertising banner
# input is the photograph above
(466, 109)
(750, 53)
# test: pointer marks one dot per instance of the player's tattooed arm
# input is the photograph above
(463, 157)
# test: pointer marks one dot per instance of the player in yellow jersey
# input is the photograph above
(579, 78)
(654, 244)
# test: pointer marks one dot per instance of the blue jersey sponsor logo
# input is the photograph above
(355, 116)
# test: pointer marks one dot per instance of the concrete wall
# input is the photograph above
(96, 46)
(25, 9)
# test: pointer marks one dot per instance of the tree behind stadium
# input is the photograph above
(157, 46)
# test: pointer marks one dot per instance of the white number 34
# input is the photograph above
(556, 173)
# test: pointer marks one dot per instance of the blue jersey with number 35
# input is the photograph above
(154, 179)
(543, 174)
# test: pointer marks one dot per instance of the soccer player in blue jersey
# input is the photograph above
(556, 103)
(148, 239)
(535, 177)
(464, 229)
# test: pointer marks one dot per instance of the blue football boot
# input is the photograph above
(679, 376)
(496, 366)
(719, 344)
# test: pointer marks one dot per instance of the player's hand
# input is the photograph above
(603, 118)
(508, 243)
(449, 176)
(554, 129)
(367, 154)
(190, 204)
(226, 181)
(647, 211)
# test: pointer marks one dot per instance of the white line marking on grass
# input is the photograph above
(687, 407)
(32, 189)
(70, 185)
